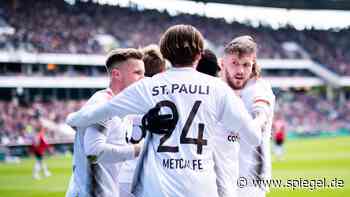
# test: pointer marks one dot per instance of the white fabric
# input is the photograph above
(106, 143)
(183, 87)
(226, 162)
(110, 147)
(259, 99)
(132, 126)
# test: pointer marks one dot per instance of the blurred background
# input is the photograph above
(52, 56)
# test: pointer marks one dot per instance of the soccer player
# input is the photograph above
(99, 149)
(226, 144)
(39, 147)
(154, 64)
(180, 162)
(153, 59)
(279, 127)
(241, 72)
(208, 64)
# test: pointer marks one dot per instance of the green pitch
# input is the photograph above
(306, 158)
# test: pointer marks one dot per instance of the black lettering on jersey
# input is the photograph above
(163, 89)
(183, 89)
(195, 164)
(233, 137)
(174, 87)
(155, 90)
(180, 88)
(193, 89)
(202, 91)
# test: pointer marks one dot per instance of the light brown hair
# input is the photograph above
(244, 45)
(153, 59)
(180, 44)
(118, 56)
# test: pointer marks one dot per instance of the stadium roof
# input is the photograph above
(290, 4)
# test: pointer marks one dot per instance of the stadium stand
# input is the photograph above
(63, 28)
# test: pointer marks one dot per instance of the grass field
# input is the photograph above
(307, 158)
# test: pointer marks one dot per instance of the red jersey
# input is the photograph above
(279, 128)
(39, 144)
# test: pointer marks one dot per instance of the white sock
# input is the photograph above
(36, 170)
(45, 169)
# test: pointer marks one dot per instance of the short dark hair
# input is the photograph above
(208, 64)
(180, 44)
(153, 59)
(117, 56)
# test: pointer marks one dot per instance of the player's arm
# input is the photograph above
(95, 144)
(263, 109)
(130, 101)
(261, 115)
(234, 117)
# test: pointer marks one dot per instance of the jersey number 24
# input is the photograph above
(199, 141)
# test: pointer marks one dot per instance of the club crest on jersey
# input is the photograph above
(233, 137)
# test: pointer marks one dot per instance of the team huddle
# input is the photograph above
(191, 130)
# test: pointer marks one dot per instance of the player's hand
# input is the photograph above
(155, 123)
(138, 148)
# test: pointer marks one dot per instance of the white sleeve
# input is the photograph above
(261, 105)
(234, 117)
(132, 100)
(95, 145)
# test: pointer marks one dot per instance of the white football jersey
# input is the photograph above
(180, 163)
(133, 135)
(89, 177)
(226, 161)
(255, 161)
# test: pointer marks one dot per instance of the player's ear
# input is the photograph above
(115, 73)
(220, 63)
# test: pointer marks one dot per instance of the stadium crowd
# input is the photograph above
(57, 27)
(322, 115)
(18, 121)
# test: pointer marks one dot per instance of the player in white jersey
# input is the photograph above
(241, 72)
(154, 64)
(179, 163)
(226, 143)
(99, 148)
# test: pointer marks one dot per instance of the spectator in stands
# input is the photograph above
(62, 28)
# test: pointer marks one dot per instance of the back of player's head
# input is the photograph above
(153, 59)
(117, 57)
(208, 64)
(244, 45)
(181, 44)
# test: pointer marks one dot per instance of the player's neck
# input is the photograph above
(184, 66)
(115, 88)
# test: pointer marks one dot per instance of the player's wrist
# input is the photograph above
(137, 149)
